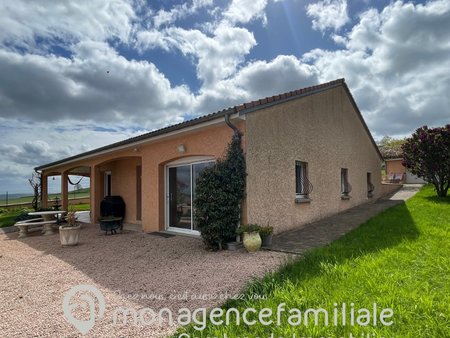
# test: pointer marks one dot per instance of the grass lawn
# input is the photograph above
(82, 193)
(399, 259)
(7, 218)
(81, 207)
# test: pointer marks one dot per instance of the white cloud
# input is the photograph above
(244, 11)
(64, 21)
(163, 17)
(97, 84)
(42, 142)
(153, 39)
(328, 14)
(396, 63)
(339, 39)
(217, 56)
(284, 73)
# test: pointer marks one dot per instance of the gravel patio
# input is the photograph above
(132, 270)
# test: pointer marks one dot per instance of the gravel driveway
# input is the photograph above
(132, 270)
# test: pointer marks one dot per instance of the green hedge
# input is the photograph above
(219, 193)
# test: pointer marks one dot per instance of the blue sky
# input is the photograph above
(78, 75)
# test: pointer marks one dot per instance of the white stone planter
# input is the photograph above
(69, 235)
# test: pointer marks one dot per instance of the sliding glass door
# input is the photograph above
(180, 201)
(181, 182)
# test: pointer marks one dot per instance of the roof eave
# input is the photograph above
(129, 143)
(355, 106)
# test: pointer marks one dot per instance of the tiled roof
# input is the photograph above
(390, 153)
(291, 94)
(242, 109)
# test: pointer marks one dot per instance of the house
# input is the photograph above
(309, 154)
(396, 172)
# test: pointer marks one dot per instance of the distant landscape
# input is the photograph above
(13, 196)
(27, 198)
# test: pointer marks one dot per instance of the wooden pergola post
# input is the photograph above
(64, 190)
(44, 190)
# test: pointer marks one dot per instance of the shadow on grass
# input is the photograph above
(386, 230)
(439, 200)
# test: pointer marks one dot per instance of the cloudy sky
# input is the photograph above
(76, 75)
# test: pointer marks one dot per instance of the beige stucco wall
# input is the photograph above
(323, 130)
(207, 142)
(123, 183)
(153, 157)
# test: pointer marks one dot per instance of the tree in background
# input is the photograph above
(35, 182)
(427, 154)
(391, 147)
(219, 193)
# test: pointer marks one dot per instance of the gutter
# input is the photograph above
(231, 125)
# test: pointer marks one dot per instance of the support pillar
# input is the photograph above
(96, 193)
(64, 191)
(44, 191)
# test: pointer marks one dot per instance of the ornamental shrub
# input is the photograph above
(220, 190)
(23, 215)
(248, 228)
(427, 154)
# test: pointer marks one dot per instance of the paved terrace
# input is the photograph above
(325, 231)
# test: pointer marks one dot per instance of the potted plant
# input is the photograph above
(251, 238)
(69, 233)
(266, 234)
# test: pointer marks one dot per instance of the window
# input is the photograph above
(370, 186)
(346, 188)
(302, 185)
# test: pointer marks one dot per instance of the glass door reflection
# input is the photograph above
(180, 202)
(181, 186)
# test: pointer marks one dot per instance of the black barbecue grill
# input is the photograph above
(112, 211)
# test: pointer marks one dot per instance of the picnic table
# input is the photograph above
(46, 219)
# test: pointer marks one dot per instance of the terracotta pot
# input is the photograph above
(252, 241)
(69, 235)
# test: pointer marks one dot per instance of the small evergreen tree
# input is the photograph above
(220, 190)
(427, 154)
